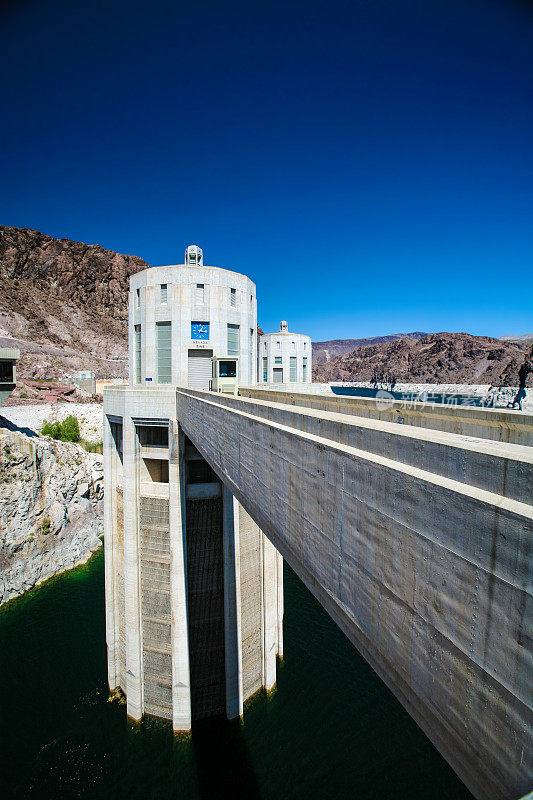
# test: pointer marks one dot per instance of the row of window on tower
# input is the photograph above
(278, 346)
(199, 331)
(199, 295)
(277, 369)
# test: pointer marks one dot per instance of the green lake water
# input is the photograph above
(330, 730)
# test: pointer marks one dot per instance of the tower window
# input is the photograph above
(233, 297)
(251, 355)
(153, 435)
(293, 368)
(200, 294)
(6, 371)
(138, 298)
(137, 353)
(163, 292)
(164, 352)
(233, 340)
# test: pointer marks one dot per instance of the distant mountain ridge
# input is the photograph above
(435, 358)
(325, 351)
(522, 337)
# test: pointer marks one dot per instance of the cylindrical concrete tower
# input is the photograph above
(194, 589)
(284, 357)
(181, 316)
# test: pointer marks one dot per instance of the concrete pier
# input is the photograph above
(193, 609)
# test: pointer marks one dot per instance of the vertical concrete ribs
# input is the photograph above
(191, 633)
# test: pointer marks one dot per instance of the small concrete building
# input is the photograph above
(194, 590)
(285, 357)
(85, 380)
(101, 382)
(8, 371)
(182, 316)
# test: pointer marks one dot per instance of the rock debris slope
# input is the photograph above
(65, 303)
(437, 358)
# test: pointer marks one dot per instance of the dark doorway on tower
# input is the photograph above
(205, 585)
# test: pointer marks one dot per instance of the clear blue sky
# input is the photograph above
(368, 163)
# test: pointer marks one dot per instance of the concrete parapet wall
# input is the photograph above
(484, 464)
(499, 424)
(428, 575)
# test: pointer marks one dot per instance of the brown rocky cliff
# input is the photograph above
(65, 302)
(436, 358)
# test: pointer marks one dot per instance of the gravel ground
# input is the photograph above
(32, 416)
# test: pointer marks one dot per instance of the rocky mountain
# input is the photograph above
(435, 358)
(64, 303)
(325, 351)
(51, 509)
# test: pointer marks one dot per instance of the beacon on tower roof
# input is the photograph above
(194, 255)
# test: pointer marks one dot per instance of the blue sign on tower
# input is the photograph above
(199, 330)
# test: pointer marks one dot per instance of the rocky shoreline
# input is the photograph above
(51, 509)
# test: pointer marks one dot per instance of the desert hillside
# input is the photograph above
(64, 303)
(435, 358)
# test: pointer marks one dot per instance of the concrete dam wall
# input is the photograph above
(417, 542)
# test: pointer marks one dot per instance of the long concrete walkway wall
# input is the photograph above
(427, 573)
(498, 467)
(499, 424)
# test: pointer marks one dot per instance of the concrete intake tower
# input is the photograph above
(194, 590)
